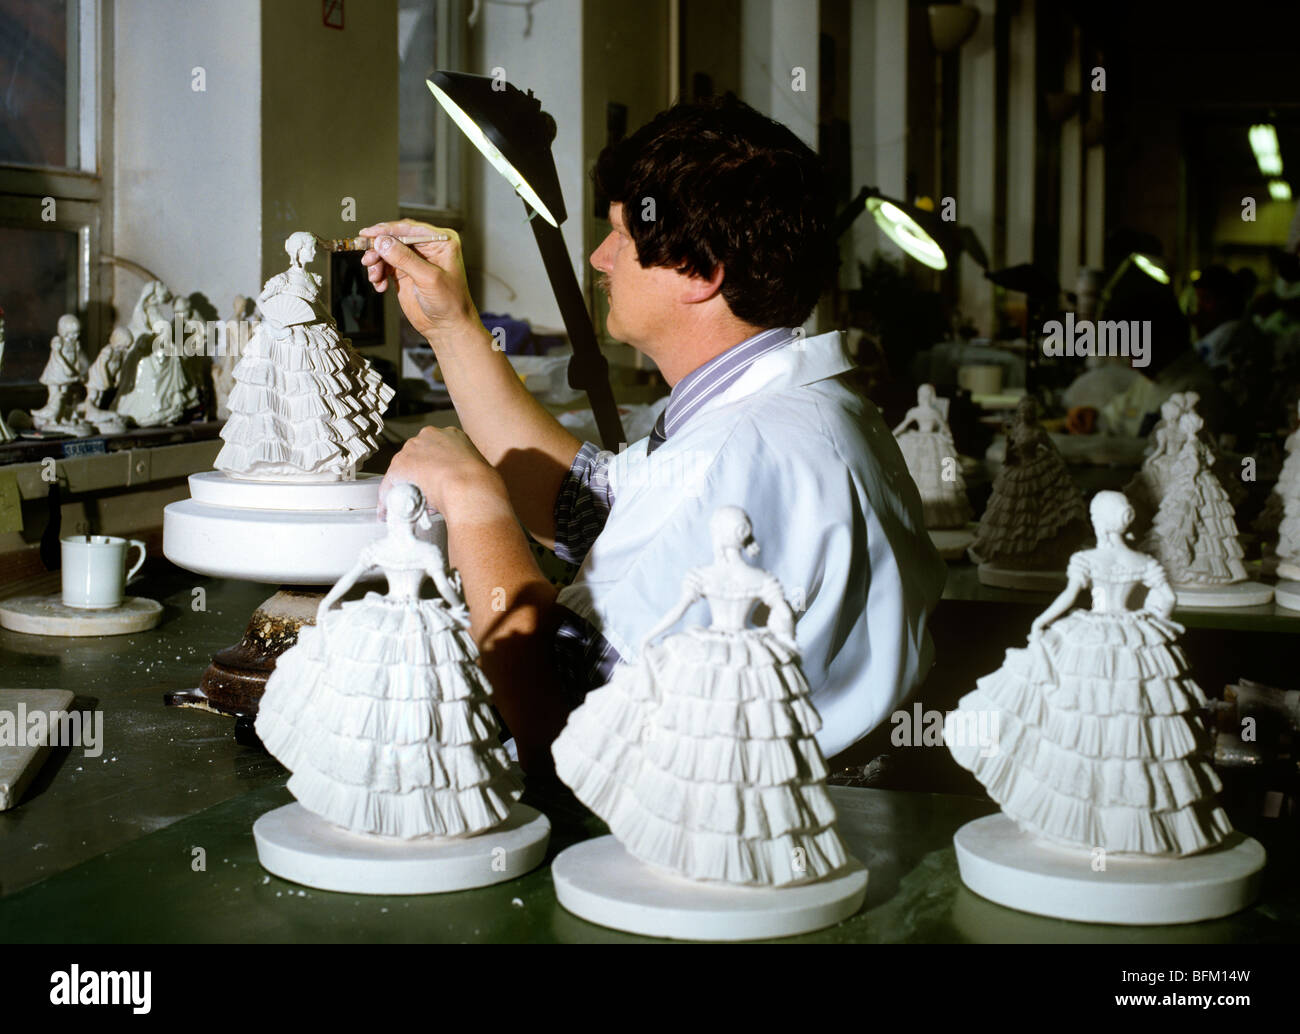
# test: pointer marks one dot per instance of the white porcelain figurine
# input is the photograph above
(1194, 532)
(700, 755)
(63, 380)
(102, 382)
(1100, 743)
(1035, 516)
(380, 710)
(244, 317)
(305, 405)
(1288, 492)
(1090, 739)
(933, 462)
(6, 433)
(157, 384)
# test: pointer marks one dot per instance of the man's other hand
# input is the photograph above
(431, 284)
(452, 474)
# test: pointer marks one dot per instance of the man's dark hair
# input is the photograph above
(717, 183)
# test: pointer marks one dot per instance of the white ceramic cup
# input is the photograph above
(94, 570)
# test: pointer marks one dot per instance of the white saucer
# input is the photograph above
(297, 845)
(600, 882)
(48, 615)
(1000, 862)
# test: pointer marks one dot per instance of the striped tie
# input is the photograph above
(658, 436)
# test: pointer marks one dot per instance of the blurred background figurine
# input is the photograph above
(102, 381)
(62, 378)
(6, 435)
(933, 462)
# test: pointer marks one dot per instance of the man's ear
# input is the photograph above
(701, 289)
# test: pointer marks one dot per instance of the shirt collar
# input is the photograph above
(697, 388)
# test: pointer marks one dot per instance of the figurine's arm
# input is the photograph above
(1160, 597)
(691, 591)
(448, 585)
(910, 418)
(780, 618)
(1060, 605)
(344, 584)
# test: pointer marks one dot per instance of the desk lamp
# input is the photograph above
(512, 132)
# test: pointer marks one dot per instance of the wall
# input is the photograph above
(501, 257)
(324, 138)
(187, 162)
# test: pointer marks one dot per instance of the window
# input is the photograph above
(51, 227)
(429, 37)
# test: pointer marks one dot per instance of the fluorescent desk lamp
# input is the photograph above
(514, 134)
(919, 233)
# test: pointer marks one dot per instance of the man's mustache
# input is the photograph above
(602, 282)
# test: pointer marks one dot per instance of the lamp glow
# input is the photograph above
(1152, 267)
(1263, 141)
(491, 153)
(904, 231)
(1279, 190)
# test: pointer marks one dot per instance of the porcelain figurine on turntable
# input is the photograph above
(305, 406)
(1090, 738)
(102, 382)
(701, 757)
(380, 710)
(1035, 516)
(935, 466)
(1194, 533)
(62, 378)
(383, 716)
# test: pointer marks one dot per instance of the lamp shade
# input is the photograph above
(903, 225)
(510, 129)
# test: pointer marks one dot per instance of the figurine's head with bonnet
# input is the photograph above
(405, 507)
(1111, 514)
(731, 529)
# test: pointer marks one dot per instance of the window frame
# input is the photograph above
(80, 192)
(449, 145)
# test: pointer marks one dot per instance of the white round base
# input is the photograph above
(1010, 578)
(1288, 571)
(1287, 594)
(299, 846)
(1235, 594)
(1001, 862)
(951, 542)
(600, 882)
(220, 489)
(49, 615)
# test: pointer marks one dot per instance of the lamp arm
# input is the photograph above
(588, 369)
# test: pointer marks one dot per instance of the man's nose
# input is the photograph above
(598, 259)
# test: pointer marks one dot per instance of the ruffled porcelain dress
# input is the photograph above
(1035, 516)
(928, 455)
(1098, 739)
(1194, 533)
(701, 758)
(382, 716)
(305, 405)
(1286, 502)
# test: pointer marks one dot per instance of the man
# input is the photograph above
(718, 250)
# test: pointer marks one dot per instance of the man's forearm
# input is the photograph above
(513, 431)
(512, 609)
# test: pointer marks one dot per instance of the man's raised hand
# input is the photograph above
(430, 278)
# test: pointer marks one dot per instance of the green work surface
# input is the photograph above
(104, 849)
